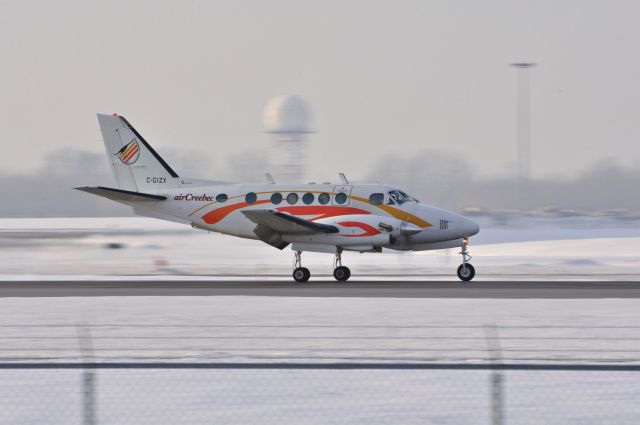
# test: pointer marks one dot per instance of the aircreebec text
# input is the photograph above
(192, 197)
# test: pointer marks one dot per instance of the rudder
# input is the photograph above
(136, 165)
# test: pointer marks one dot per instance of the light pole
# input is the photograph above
(523, 101)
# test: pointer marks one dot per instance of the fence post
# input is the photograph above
(88, 377)
(496, 378)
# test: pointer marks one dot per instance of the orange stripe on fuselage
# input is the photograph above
(368, 230)
(322, 211)
(403, 215)
(214, 216)
(398, 213)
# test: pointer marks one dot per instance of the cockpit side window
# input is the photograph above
(400, 197)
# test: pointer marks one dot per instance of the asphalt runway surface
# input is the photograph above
(366, 289)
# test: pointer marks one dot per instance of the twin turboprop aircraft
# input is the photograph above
(329, 218)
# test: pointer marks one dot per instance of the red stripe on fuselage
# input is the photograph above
(322, 211)
(368, 230)
(214, 216)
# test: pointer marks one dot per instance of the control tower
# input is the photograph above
(287, 120)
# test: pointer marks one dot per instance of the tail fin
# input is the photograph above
(136, 166)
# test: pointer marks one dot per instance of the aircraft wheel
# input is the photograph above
(301, 274)
(466, 272)
(342, 273)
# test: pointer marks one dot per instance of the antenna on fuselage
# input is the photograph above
(343, 178)
(269, 178)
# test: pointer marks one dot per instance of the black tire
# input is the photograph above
(466, 272)
(342, 273)
(301, 274)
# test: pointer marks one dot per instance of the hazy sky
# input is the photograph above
(381, 77)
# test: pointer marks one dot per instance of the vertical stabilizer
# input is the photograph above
(136, 166)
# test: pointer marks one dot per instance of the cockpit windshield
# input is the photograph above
(399, 197)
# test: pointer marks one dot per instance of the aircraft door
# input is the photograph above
(342, 195)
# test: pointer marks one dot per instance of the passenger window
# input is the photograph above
(276, 198)
(251, 198)
(341, 198)
(292, 198)
(308, 198)
(324, 198)
(376, 199)
(222, 197)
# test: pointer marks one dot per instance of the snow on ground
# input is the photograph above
(241, 329)
(320, 329)
(270, 329)
(241, 397)
(572, 247)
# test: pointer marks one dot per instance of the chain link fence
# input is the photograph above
(317, 393)
(264, 374)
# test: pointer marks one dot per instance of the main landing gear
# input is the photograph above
(340, 273)
(466, 271)
(301, 274)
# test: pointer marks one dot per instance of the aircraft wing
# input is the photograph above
(120, 195)
(271, 225)
(286, 223)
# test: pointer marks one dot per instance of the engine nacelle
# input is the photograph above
(365, 225)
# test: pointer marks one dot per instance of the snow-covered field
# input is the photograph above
(320, 329)
(585, 247)
(259, 329)
(156, 397)
(271, 329)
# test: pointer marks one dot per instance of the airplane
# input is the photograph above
(329, 218)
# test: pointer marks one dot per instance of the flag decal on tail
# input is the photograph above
(129, 152)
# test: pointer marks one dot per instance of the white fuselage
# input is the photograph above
(369, 217)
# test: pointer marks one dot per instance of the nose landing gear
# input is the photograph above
(466, 271)
(300, 274)
(340, 273)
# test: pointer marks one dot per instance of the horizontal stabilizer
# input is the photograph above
(120, 195)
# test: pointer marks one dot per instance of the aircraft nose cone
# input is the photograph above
(408, 229)
(470, 228)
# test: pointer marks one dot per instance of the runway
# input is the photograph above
(365, 289)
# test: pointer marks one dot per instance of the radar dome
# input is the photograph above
(286, 114)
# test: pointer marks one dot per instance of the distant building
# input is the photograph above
(287, 120)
